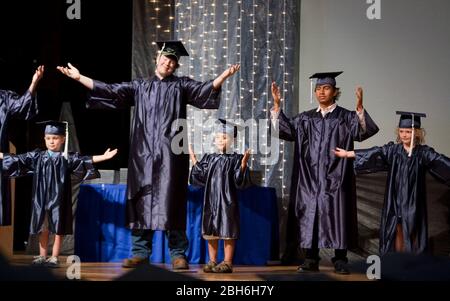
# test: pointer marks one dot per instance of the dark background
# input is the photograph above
(99, 45)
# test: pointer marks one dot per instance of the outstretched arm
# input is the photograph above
(245, 160)
(38, 74)
(217, 83)
(342, 153)
(75, 74)
(1, 156)
(106, 156)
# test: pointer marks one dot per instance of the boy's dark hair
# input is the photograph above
(338, 94)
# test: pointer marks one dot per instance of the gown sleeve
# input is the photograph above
(359, 134)
(373, 159)
(19, 165)
(82, 168)
(201, 95)
(438, 165)
(199, 172)
(241, 178)
(21, 107)
(111, 96)
(288, 128)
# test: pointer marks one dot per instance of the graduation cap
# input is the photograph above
(410, 120)
(172, 48)
(228, 128)
(60, 128)
(323, 78)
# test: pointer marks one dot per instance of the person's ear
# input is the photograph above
(336, 91)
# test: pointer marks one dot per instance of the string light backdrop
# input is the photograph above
(260, 35)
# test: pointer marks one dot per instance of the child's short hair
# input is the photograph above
(419, 136)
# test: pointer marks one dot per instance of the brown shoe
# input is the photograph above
(134, 262)
(180, 263)
(208, 268)
(223, 267)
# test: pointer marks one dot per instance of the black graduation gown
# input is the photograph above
(157, 177)
(14, 106)
(221, 176)
(323, 184)
(405, 195)
(52, 190)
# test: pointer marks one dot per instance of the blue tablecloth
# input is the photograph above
(101, 235)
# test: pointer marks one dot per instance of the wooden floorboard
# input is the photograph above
(103, 271)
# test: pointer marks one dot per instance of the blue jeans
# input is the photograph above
(141, 241)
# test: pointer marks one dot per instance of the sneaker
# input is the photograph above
(223, 267)
(310, 265)
(208, 268)
(180, 263)
(38, 260)
(52, 262)
(134, 262)
(341, 267)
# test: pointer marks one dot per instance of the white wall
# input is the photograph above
(402, 60)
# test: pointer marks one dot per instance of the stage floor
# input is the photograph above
(101, 271)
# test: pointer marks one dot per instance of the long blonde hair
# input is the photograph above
(419, 136)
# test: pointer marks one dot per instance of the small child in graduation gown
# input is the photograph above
(52, 170)
(221, 174)
(404, 226)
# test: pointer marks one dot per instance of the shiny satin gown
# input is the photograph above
(52, 188)
(12, 106)
(157, 175)
(405, 196)
(221, 175)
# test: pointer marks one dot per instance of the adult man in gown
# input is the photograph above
(323, 190)
(157, 176)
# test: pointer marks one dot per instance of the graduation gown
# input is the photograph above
(157, 177)
(323, 185)
(52, 190)
(221, 176)
(405, 195)
(14, 106)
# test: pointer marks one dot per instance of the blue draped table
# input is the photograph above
(101, 235)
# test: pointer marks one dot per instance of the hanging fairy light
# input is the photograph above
(282, 144)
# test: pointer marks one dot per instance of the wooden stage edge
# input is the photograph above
(102, 271)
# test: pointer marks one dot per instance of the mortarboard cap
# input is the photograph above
(61, 128)
(172, 48)
(228, 128)
(54, 127)
(326, 78)
(410, 119)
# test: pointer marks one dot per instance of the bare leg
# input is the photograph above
(43, 242)
(399, 241)
(212, 249)
(57, 245)
(229, 250)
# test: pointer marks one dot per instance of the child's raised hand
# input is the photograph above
(38, 74)
(245, 159)
(110, 153)
(276, 95)
(192, 155)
